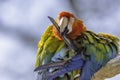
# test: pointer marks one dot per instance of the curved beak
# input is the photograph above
(62, 27)
(66, 25)
(65, 31)
(63, 34)
(63, 23)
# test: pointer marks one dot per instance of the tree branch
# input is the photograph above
(111, 69)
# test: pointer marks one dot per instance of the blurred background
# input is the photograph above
(22, 23)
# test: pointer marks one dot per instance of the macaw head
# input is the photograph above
(67, 21)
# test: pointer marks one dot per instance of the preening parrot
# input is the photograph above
(68, 51)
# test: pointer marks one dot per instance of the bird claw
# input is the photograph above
(50, 65)
(73, 64)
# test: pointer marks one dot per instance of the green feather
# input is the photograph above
(98, 48)
(47, 47)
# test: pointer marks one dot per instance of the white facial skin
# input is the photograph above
(65, 22)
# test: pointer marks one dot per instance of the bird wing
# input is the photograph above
(47, 47)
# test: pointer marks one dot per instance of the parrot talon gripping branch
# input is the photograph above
(67, 49)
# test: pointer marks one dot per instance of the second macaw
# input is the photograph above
(91, 52)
